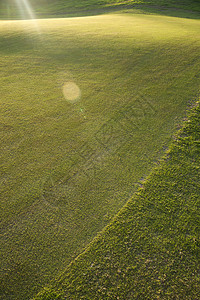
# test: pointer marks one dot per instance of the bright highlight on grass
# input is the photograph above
(71, 92)
(71, 159)
(25, 7)
(27, 12)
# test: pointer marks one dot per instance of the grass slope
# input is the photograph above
(67, 168)
(10, 9)
(151, 250)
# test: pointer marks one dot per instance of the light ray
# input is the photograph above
(27, 11)
(28, 8)
(21, 8)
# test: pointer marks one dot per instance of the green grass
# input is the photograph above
(151, 250)
(62, 8)
(67, 169)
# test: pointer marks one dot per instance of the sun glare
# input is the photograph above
(27, 12)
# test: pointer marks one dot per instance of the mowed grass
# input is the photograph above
(151, 250)
(67, 168)
(65, 8)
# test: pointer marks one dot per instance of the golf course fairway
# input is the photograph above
(89, 106)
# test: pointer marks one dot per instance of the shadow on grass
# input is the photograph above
(136, 9)
(166, 11)
(16, 43)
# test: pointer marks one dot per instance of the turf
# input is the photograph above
(151, 250)
(67, 168)
(64, 8)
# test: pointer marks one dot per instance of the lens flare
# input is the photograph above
(71, 92)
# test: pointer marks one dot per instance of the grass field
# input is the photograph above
(151, 248)
(64, 8)
(70, 161)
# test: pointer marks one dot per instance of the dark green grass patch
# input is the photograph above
(67, 8)
(151, 250)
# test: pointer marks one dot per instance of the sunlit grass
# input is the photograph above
(115, 61)
(61, 8)
(151, 248)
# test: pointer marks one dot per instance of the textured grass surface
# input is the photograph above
(67, 168)
(47, 8)
(151, 250)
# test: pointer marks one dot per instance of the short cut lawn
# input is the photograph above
(151, 250)
(70, 161)
(68, 8)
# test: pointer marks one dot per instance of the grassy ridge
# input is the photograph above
(43, 8)
(151, 250)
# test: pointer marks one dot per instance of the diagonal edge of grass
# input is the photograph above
(112, 249)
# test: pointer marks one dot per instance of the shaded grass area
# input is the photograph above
(69, 8)
(66, 169)
(151, 250)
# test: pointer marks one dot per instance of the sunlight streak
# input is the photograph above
(27, 11)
